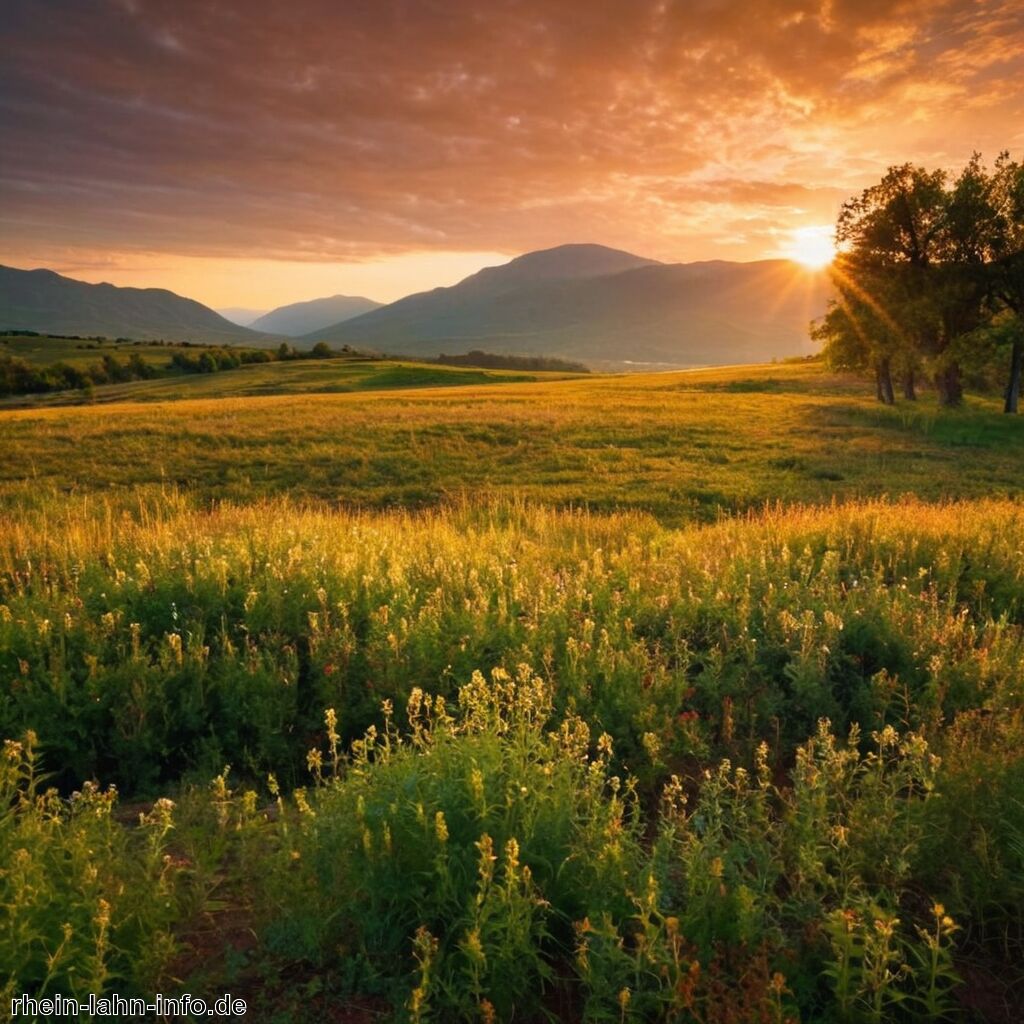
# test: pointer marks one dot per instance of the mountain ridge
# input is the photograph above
(700, 313)
(43, 300)
(297, 318)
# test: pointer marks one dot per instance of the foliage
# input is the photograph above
(503, 760)
(926, 263)
(87, 904)
(503, 361)
(656, 821)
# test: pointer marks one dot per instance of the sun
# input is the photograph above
(813, 246)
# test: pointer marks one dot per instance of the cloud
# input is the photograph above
(319, 131)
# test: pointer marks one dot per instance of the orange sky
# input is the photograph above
(255, 153)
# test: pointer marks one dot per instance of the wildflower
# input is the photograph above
(476, 785)
(511, 855)
(440, 827)
(474, 947)
(485, 846)
(652, 744)
(102, 917)
(303, 803)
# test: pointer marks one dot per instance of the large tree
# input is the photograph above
(931, 272)
(859, 332)
(1007, 266)
(910, 249)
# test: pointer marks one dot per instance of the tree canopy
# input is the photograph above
(930, 278)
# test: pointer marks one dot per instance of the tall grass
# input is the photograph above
(769, 769)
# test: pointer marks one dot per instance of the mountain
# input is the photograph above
(40, 300)
(302, 317)
(563, 263)
(602, 305)
(239, 315)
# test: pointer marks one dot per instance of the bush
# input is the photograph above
(87, 904)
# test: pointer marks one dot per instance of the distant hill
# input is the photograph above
(597, 304)
(240, 315)
(40, 300)
(302, 317)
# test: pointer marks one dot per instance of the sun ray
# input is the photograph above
(814, 246)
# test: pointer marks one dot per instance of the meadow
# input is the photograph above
(325, 377)
(684, 446)
(41, 350)
(682, 697)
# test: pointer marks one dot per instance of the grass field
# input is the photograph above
(301, 377)
(42, 350)
(684, 446)
(494, 756)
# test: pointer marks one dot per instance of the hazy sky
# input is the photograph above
(253, 152)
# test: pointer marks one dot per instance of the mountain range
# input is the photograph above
(596, 304)
(40, 300)
(241, 315)
(302, 317)
(584, 302)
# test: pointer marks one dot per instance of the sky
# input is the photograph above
(256, 152)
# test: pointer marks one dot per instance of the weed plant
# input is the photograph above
(502, 762)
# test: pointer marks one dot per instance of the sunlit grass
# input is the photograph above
(682, 445)
(494, 752)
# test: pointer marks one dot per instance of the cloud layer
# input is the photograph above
(320, 130)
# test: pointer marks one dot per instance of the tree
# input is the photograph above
(929, 265)
(1007, 262)
(891, 237)
(856, 337)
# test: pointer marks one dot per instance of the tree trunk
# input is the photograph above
(1016, 363)
(909, 388)
(949, 385)
(883, 382)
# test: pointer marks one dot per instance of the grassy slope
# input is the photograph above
(329, 376)
(683, 445)
(43, 350)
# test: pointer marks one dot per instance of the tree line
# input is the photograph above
(18, 377)
(930, 281)
(501, 361)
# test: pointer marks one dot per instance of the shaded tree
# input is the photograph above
(897, 242)
(1007, 265)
